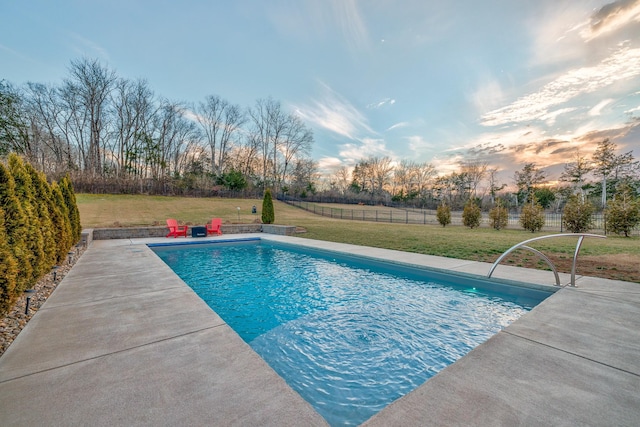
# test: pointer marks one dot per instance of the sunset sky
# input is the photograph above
(501, 81)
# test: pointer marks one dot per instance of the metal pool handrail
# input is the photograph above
(522, 245)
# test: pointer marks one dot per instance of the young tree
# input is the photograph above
(499, 216)
(471, 214)
(443, 213)
(623, 213)
(577, 215)
(532, 215)
(268, 214)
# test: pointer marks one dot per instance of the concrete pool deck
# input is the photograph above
(123, 341)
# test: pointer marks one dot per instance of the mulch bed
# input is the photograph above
(13, 323)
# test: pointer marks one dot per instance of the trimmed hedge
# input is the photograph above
(39, 223)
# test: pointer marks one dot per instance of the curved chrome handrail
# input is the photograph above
(522, 245)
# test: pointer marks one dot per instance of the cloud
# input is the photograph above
(88, 47)
(488, 96)
(612, 17)
(352, 153)
(334, 113)
(320, 19)
(597, 110)
(398, 126)
(623, 64)
(347, 15)
(417, 144)
(382, 103)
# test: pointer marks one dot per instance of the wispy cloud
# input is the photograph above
(321, 19)
(597, 110)
(418, 145)
(336, 114)
(347, 15)
(86, 47)
(623, 64)
(15, 53)
(612, 17)
(368, 147)
(398, 126)
(381, 103)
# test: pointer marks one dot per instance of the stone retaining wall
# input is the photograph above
(144, 232)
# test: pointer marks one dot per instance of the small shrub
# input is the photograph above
(576, 215)
(499, 216)
(471, 215)
(444, 215)
(268, 214)
(532, 216)
(623, 212)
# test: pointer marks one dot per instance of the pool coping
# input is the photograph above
(123, 340)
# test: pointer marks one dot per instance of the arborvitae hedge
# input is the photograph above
(61, 222)
(42, 195)
(268, 214)
(8, 270)
(35, 242)
(70, 201)
(16, 228)
(36, 222)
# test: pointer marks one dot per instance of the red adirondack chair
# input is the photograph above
(214, 227)
(176, 230)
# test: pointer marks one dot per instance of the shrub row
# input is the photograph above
(39, 223)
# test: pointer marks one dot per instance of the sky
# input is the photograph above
(504, 82)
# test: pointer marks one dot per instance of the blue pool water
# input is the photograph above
(349, 335)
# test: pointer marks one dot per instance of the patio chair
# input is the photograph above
(214, 227)
(176, 230)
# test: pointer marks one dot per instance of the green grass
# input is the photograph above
(614, 257)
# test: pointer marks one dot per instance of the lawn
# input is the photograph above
(615, 257)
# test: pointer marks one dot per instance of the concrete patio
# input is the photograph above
(123, 341)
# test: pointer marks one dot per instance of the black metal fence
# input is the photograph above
(553, 221)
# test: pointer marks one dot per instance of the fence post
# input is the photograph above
(561, 222)
(407, 221)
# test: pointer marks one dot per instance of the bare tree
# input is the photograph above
(296, 143)
(494, 186)
(219, 121)
(474, 172)
(89, 88)
(342, 178)
(576, 172)
(133, 110)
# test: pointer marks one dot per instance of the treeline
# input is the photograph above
(379, 180)
(102, 128)
(39, 223)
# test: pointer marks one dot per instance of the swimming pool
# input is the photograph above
(350, 335)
